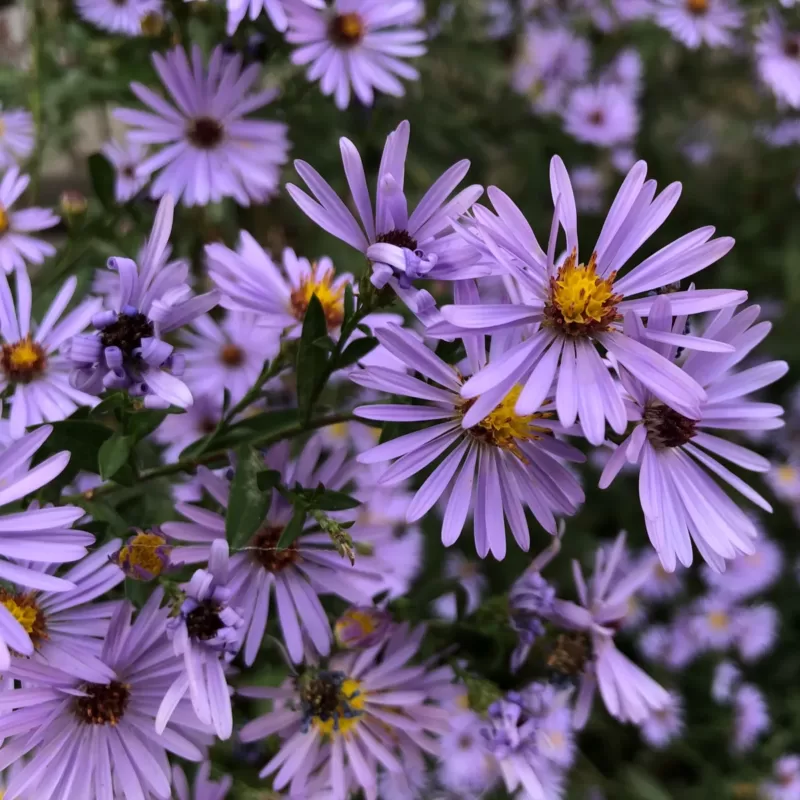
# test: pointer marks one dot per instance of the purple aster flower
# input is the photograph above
(118, 16)
(204, 788)
(579, 306)
(206, 633)
(361, 627)
(726, 680)
(751, 717)
(605, 115)
(412, 782)
(665, 724)
(178, 431)
(712, 622)
(514, 458)
(16, 136)
(674, 645)
(628, 693)
(362, 712)
(128, 351)
(33, 364)
(96, 738)
(695, 22)
(589, 185)
(662, 585)
(784, 481)
(468, 769)
(783, 134)
(755, 631)
(471, 580)
(681, 502)
(276, 11)
(357, 45)
(748, 575)
(296, 575)
(210, 149)
(785, 783)
(778, 59)
(126, 157)
(62, 628)
(16, 246)
(400, 247)
(144, 556)
(626, 71)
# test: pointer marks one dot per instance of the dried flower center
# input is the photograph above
(597, 117)
(265, 549)
(127, 333)
(347, 30)
(667, 428)
(399, 238)
(152, 24)
(5, 220)
(103, 705)
(203, 622)
(331, 298)
(24, 609)
(330, 701)
(505, 428)
(128, 171)
(580, 301)
(24, 360)
(697, 7)
(205, 133)
(791, 46)
(568, 657)
(144, 556)
(231, 355)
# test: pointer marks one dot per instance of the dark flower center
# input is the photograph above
(330, 701)
(398, 239)
(697, 7)
(127, 333)
(205, 133)
(23, 361)
(346, 30)
(792, 47)
(265, 549)
(231, 355)
(128, 171)
(667, 428)
(207, 425)
(568, 657)
(203, 622)
(103, 705)
(596, 117)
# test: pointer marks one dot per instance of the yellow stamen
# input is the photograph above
(697, 6)
(24, 609)
(356, 700)
(23, 360)
(331, 298)
(787, 473)
(718, 620)
(25, 615)
(144, 555)
(5, 222)
(347, 29)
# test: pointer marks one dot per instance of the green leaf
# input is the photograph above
(114, 454)
(142, 423)
(643, 787)
(329, 500)
(260, 425)
(325, 343)
(109, 404)
(103, 512)
(248, 504)
(451, 352)
(101, 174)
(82, 439)
(356, 350)
(311, 361)
(268, 479)
(349, 304)
(293, 530)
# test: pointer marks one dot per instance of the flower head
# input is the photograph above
(276, 11)
(751, 717)
(362, 626)
(665, 724)
(696, 22)
(755, 630)
(785, 783)
(126, 157)
(119, 16)
(468, 768)
(750, 574)
(204, 788)
(605, 115)
(144, 556)
(778, 54)
(16, 136)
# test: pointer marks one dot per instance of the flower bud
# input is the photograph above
(362, 626)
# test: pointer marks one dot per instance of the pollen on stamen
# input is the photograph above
(5, 222)
(23, 361)
(330, 297)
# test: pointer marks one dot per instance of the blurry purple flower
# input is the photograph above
(694, 22)
(755, 630)
(16, 136)
(118, 16)
(471, 580)
(783, 134)
(204, 788)
(126, 157)
(512, 456)
(712, 622)
(589, 185)
(629, 10)
(663, 585)
(128, 351)
(144, 556)
(778, 58)
(785, 784)
(674, 646)
(751, 717)
(726, 680)
(623, 158)
(604, 115)
(664, 725)
(209, 149)
(16, 246)
(626, 71)
(276, 11)
(178, 431)
(466, 767)
(361, 627)
(33, 365)
(357, 45)
(748, 575)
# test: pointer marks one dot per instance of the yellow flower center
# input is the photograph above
(331, 299)
(5, 222)
(580, 301)
(351, 703)
(231, 355)
(25, 615)
(144, 555)
(718, 620)
(347, 29)
(24, 360)
(698, 7)
(787, 473)
(505, 428)
(24, 609)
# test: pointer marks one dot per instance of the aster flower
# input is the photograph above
(778, 59)
(16, 245)
(16, 135)
(210, 149)
(401, 247)
(126, 157)
(98, 737)
(204, 788)
(665, 724)
(296, 575)
(144, 556)
(751, 717)
(748, 575)
(589, 185)
(276, 11)
(681, 502)
(468, 769)
(361, 627)
(662, 585)
(512, 456)
(178, 431)
(357, 45)
(785, 783)
(755, 631)
(128, 351)
(696, 22)
(34, 366)
(361, 712)
(471, 580)
(118, 16)
(726, 679)
(784, 481)
(712, 622)
(205, 633)
(579, 306)
(605, 115)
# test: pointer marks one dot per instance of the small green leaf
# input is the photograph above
(451, 352)
(248, 505)
(101, 174)
(103, 512)
(311, 361)
(268, 479)
(293, 530)
(82, 439)
(325, 343)
(142, 423)
(329, 500)
(109, 404)
(643, 787)
(114, 454)
(349, 304)
(356, 350)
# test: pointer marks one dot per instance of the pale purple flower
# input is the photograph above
(664, 725)
(778, 59)
(498, 463)
(662, 585)
(401, 247)
(209, 148)
(412, 782)
(34, 365)
(362, 713)
(203, 788)
(16, 245)
(118, 16)
(681, 501)
(357, 46)
(128, 350)
(468, 769)
(360, 627)
(126, 157)
(785, 133)
(696, 22)
(727, 677)
(605, 115)
(275, 9)
(712, 622)
(626, 71)
(755, 631)
(471, 580)
(784, 481)
(97, 738)
(17, 135)
(205, 632)
(589, 185)
(578, 307)
(785, 783)
(674, 646)
(751, 717)
(748, 575)
(178, 431)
